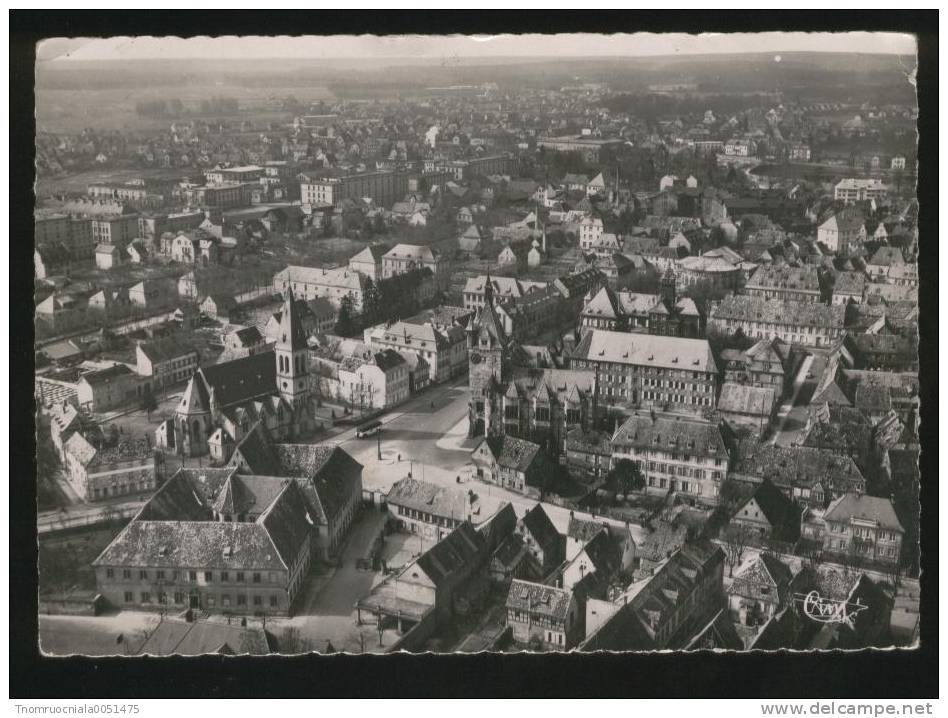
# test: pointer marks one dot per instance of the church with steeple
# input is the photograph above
(508, 397)
(223, 402)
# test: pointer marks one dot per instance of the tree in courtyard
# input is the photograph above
(736, 538)
(345, 322)
(149, 404)
(626, 476)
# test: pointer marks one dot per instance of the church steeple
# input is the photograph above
(291, 354)
(488, 290)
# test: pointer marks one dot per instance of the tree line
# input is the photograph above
(175, 107)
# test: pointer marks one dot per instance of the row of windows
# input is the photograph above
(428, 518)
(192, 576)
(534, 619)
(675, 470)
(179, 598)
(122, 489)
(675, 398)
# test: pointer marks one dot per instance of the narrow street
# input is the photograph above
(792, 414)
(325, 613)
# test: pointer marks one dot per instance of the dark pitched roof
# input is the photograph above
(166, 348)
(181, 638)
(237, 381)
(499, 526)
(512, 452)
(454, 553)
(781, 512)
(584, 531)
(541, 528)
(291, 329)
(603, 553)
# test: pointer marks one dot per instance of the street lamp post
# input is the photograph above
(378, 436)
(379, 624)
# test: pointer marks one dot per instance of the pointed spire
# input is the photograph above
(488, 291)
(292, 332)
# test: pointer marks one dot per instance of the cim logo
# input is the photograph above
(828, 610)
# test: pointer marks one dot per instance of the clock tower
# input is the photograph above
(487, 343)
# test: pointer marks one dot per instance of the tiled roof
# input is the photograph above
(175, 528)
(707, 264)
(429, 498)
(103, 376)
(803, 466)
(775, 311)
(675, 432)
(455, 553)
(646, 350)
(638, 622)
(341, 277)
(663, 541)
(197, 544)
(805, 278)
(166, 349)
(861, 506)
(539, 599)
(745, 399)
(196, 638)
(411, 251)
(514, 453)
(887, 256)
(237, 381)
(850, 283)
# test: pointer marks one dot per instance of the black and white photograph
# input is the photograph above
(452, 344)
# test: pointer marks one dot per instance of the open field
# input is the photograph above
(71, 109)
(79, 181)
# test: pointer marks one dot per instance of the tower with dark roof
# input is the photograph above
(487, 342)
(291, 355)
(668, 288)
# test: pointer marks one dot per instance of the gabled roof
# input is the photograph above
(430, 498)
(861, 506)
(166, 349)
(455, 553)
(782, 513)
(237, 381)
(513, 453)
(646, 350)
(541, 528)
(539, 599)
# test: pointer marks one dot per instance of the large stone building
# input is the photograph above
(842, 233)
(383, 188)
(865, 527)
(799, 284)
(852, 190)
(218, 541)
(444, 348)
(126, 469)
(806, 323)
(404, 258)
(683, 455)
(666, 373)
(332, 283)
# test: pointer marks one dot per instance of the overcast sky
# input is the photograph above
(564, 45)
